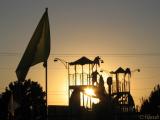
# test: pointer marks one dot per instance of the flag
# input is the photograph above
(38, 48)
(13, 105)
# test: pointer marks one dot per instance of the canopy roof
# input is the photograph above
(82, 61)
(119, 70)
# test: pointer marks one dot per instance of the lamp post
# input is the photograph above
(62, 61)
(138, 70)
(106, 71)
(66, 65)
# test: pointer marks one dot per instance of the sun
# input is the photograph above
(89, 97)
(89, 92)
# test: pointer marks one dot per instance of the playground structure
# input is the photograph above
(121, 90)
(80, 80)
(84, 74)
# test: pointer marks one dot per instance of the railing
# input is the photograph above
(79, 79)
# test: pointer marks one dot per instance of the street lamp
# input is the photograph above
(138, 70)
(66, 64)
(104, 71)
(62, 61)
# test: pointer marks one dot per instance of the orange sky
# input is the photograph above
(123, 33)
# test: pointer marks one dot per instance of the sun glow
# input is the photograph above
(89, 98)
(89, 92)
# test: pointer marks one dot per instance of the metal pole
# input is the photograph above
(129, 83)
(68, 82)
(46, 71)
(83, 84)
(89, 84)
(75, 75)
(117, 83)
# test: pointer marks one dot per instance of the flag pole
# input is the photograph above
(46, 81)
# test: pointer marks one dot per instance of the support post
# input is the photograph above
(46, 86)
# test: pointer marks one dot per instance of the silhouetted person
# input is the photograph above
(94, 77)
(101, 87)
(109, 83)
(101, 81)
(100, 91)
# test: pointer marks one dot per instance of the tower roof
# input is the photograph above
(82, 61)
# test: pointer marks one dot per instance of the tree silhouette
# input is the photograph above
(152, 104)
(28, 96)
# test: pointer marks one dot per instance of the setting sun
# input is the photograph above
(89, 96)
(89, 92)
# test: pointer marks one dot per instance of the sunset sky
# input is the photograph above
(123, 33)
